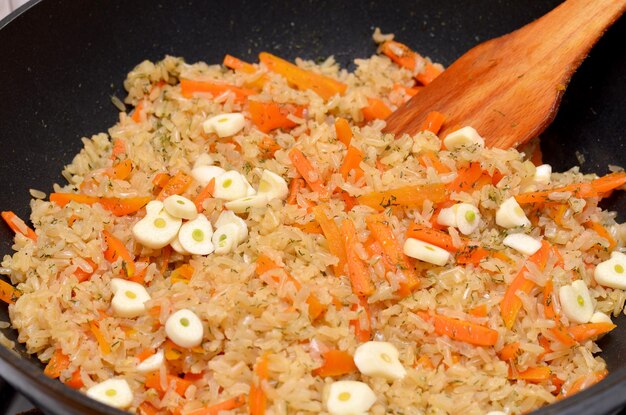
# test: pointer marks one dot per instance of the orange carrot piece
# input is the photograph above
(429, 74)
(431, 236)
(534, 374)
(136, 116)
(17, 225)
(204, 194)
(479, 311)
(153, 381)
(122, 170)
(189, 88)
(118, 150)
(408, 90)
(116, 249)
(309, 227)
(357, 268)
(302, 79)
(82, 275)
(175, 186)
(333, 238)
(467, 176)
(119, 206)
(237, 64)
(257, 400)
(406, 196)
(375, 109)
(295, 186)
(429, 157)
(509, 351)
(382, 232)
(147, 408)
(105, 347)
(269, 146)
(588, 331)
(401, 54)
(352, 162)
(144, 354)
(583, 382)
(268, 116)
(58, 363)
(460, 330)
(362, 332)
(433, 122)
(343, 131)
(8, 293)
(76, 381)
(602, 232)
(308, 172)
(348, 200)
(336, 363)
(161, 179)
(425, 362)
(471, 254)
(166, 253)
(227, 405)
(596, 188)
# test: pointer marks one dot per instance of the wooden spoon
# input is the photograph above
(510, 88)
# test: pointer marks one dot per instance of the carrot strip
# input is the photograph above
(121, 170)
(302, 79)
(82, 275)
(343, 131)
(237, 64)
(119, 149)
(582, 383)
(362, 332)
(161, 179)
(336, 363)
(509, 351)
(76, 381)
(348, 200)
(466, 179)
(479, 311)
(58, 363)
(227, 405)
(8, 293)
(189, 88)
(204, 194)
(401, 54)
(433, 122)
(588, 331)
(460, 330)
(116, 249)
(268, 116)
(351, 162)
(145, 353)
(136, 116)
(382, 232)
(17, 225)
(119, 206)
(153, 381)
(429, 74)
(257, 400)
(602, 232)
(375, 109)
(147, 409)
(559, 331)
(429, 157)
(269, 146)
(105, 347)
(471, 254)
(175, 186)
(357, 268)
(333, 238)
(295, 186)
(408, 90)
(534, 374)
(308, 172)
(431, 236)
(406, 196)
(309, 227)
(596, 188)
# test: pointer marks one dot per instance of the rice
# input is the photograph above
(249, 317)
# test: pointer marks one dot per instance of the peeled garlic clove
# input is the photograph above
(467, 218)
(204, 174)
(203, 159)
(195, 236)
(129, 299)
(447, 216)
(151, 364)
(543, 174)
(176, 246)
(228, 216)
(112, 392)
(230, 186)
(349, 397)
(158, 228)
(184, 328)
(426, 252)
(612, 272)
(180, 207)
(273, 186)
(464, 137)
(225, 125)
(225, 238)
(576, 302)
(511, 215)
(379, 359)
(523, 243)
(244, 205)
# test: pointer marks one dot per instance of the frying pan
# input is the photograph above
(62, 60)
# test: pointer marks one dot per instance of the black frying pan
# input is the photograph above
(60, 61)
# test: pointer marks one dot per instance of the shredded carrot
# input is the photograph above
(362, 332)
(257, 400)
(268, 146)
(119, 206)
(602, 232)
(75, 381)
(310, 227)
(58, 363)
(559, 331)
(136, 116)
(295, 186)
(479, 310)
(8, 293)
(105, 347)
(302, 79)
(82, 275)
(333, 238)
(510, 351)
(116, 249)
(471, 254)
(401, 54)
(175, 186)
(394, 254)
(17, 225)
(431, 236)
(460, 330)
(189, 88)
(336, 363)
(425, 362)
(430, 158)
(348, 200)
(121, 170)
(466, 179)
(268, 116)
(596, 188)
(357, 268)
(166, 253)
(172, 351)
(153, 381)
(147, 408)
(237, 64)
(118, 150)
(429, 74)
(533, 374)
(204, 194)
(375, 109)
(343, 131)
(511, 303)
(308, 172)
(160, 179)
(352, 162)
(588, 331)
(145, 353)
(182, 274)
(433, 122)
(406, 196)
(581, 383)
(227, 405)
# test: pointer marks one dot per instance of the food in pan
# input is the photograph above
(248, 239)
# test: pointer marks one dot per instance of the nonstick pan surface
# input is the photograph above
(62, 60)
